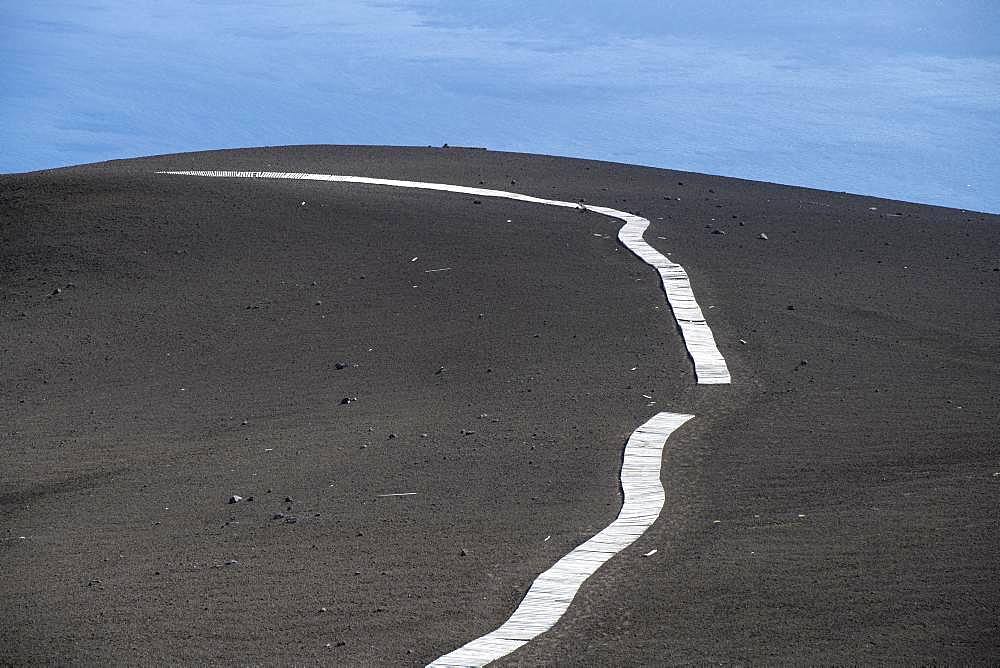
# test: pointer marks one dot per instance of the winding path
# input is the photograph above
(552, 592)
(709, 366)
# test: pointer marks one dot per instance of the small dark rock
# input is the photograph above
(288, 499)
(340, 365)
(278, 516)
(235, 498)
(718, 231)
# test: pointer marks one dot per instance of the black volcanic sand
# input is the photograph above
(170, 341)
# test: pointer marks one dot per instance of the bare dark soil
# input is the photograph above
(170, 341)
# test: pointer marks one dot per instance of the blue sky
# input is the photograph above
(898, 99)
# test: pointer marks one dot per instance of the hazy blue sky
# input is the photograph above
(900, 99)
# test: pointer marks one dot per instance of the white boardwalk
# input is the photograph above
(709, 365)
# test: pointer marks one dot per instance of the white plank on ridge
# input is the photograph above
(709, 365)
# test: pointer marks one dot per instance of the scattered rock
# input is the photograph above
(291, 520)
(289, 499)
(235, 498)
(466, 432)
(347, 400)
